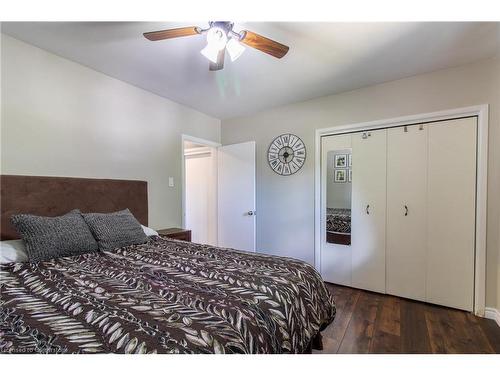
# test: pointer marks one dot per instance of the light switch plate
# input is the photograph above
(170, 182)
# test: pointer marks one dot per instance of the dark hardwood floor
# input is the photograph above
(369, 322)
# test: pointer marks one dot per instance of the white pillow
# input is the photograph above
(148, 231)
(13, 251)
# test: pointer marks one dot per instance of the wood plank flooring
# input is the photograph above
(369, 322)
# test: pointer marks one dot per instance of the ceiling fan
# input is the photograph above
(222, 37)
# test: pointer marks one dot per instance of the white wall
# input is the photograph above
(60, 118)
(285, 205)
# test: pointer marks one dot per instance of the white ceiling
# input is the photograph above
(324, 58)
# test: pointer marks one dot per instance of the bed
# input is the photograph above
(338, 225)
(163, 296)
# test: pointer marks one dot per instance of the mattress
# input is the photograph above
(165, 296)
(338, 220)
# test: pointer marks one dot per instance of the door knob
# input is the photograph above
(251, 213)
(368, 209)
(406, 210)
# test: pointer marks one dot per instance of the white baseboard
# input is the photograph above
(492, 313)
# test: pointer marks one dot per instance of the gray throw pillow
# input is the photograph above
(116, 229)
(53, 237)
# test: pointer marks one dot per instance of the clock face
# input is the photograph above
(286, 154)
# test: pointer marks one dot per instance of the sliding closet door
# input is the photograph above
(406, 211)
(368, 210)
(451, 213)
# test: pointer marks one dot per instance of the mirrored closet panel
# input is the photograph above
(338, 196)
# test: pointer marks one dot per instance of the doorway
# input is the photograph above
(218, 193)
(200, 189)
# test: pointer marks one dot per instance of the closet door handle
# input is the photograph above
(368, 209)
(406, 210)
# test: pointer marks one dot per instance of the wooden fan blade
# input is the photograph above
(264, 44)
(172, 33)
(219, 65)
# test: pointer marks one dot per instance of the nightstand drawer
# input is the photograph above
(176, 233)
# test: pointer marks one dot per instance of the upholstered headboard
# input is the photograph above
(53, 196)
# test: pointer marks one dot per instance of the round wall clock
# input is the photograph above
(286, 154)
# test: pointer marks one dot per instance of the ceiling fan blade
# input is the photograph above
(264, 44)
(172, 33)
(219, 65)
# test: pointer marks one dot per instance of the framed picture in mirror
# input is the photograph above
(340, 175)
(340, 161)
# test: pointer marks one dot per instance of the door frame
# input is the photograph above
(207, 143)
(481, 111)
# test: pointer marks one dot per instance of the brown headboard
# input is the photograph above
(53, 196)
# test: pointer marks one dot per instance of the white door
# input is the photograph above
(451, 213)
(406, 211)
(369, 155)
(236, 196)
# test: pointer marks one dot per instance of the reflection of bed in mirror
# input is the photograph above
(338, 225)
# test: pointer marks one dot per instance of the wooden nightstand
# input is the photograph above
(176, 233)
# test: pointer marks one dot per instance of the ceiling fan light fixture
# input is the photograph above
(210, 53)
(217, 37)
(221, 36)
(234, 48)
(216, 41)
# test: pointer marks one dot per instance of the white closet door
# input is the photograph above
(451, 213)
(335, 258)
(406, 211)
(368, 210)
